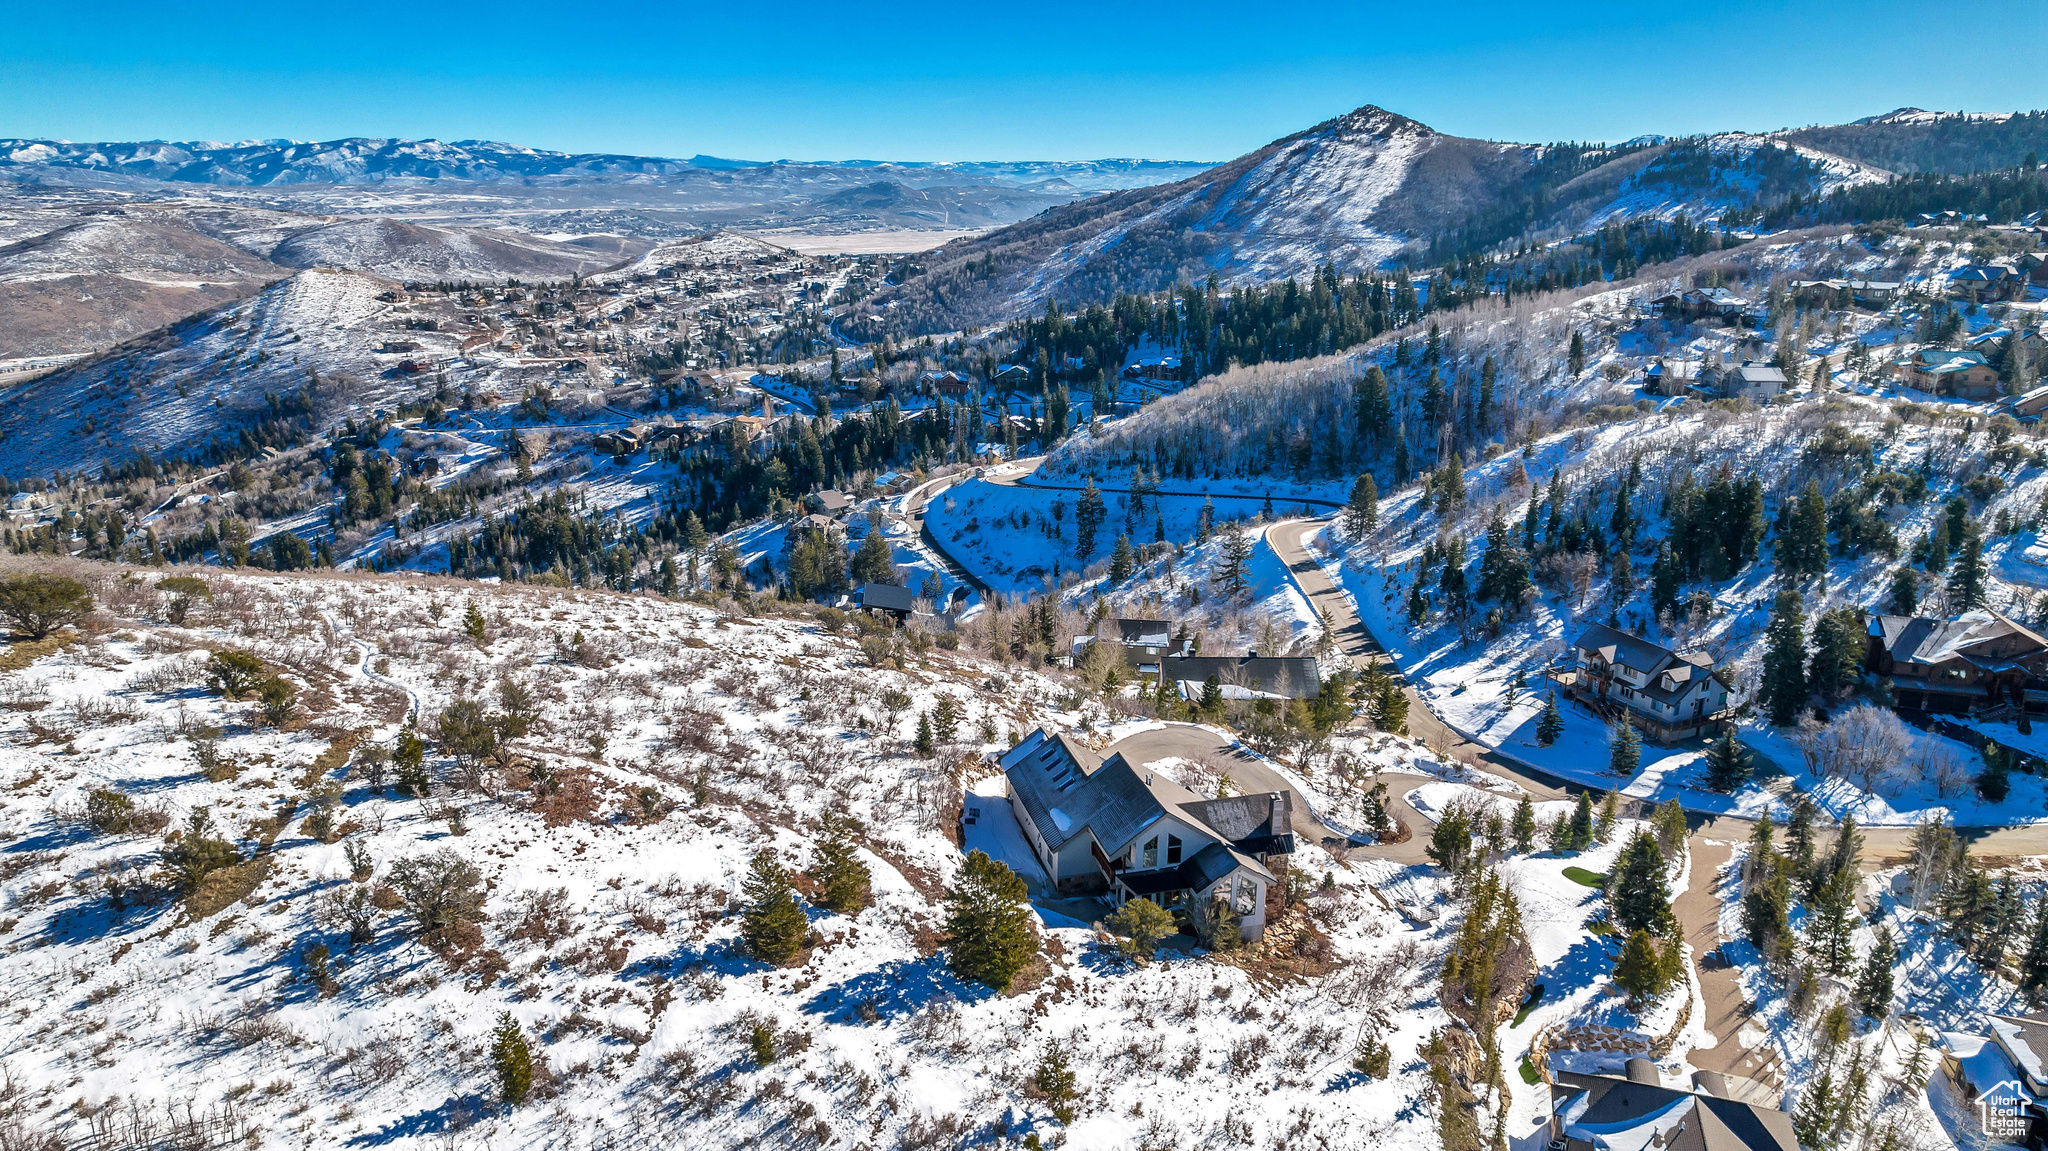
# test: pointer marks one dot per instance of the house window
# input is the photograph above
(1151, 857)
(1173, 849)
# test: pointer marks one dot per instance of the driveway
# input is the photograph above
(1252, 774)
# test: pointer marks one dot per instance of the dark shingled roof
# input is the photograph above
(1144, 632)
(1289, 677)
(1605, 1105)
(887, 596)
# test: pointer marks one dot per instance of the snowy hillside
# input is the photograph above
(409, 252)
(234, 365)
(293, 996)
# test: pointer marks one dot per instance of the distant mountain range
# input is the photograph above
(361, 160)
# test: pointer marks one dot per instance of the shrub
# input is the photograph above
(197, 852)
(1373, 1058)
(234, 674)
(444, 894)
(207, 756)
(1139, 925)
(762, 1040)
(40, 604)
(182, 594)
(109, 811)
(409, 758)
(280, 699)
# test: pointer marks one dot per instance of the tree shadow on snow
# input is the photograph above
(893, 990)
(453, 1114)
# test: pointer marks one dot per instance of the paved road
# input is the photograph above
(914, 504)
(1699, 916)
(1358, 644)
(1251, 774)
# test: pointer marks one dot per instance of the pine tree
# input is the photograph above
(874, 562)
(1551, 724)
(474, 627)
(1783, 690)
(1233, 571)
(1966, 578)
(1579, 831)
(1624, 749)
(1637, 897)
(1640, 971)
(1056, 1082)
(1362, 514)
(1665, 579)
(512, 1059)
(841, 878)
(1829, 921)
(1390, 708)
(772, 926)
(1089, 512)
(2033, 963)
(1122, 561)
(1727, 766)
(1609, 817)
(927, 744)
(1669, 822)
(1874, 985)
(1994, 783)
(988, 924)
(1837, 663)
(1905, 591)
(1524, 826)
(1575, 358)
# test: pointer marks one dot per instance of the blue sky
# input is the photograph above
(1056, 79)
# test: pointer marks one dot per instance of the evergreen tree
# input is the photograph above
(1122, 561)
(1966, 578)
(1815, 1120)
(1089, 512)
(1837, 663)
(1362, 514)
(512, 1059)
(1233, 571)
(1524, 826)
(1874, 985)
(1579, 832)
(1664, 580)
(1727, 766)
(1551, 724)
(1621, 580)
(1624, 749)
(1609, 817)
(1829, 920)
(927, 744)
(874, 562)
(474, 627)
(1640, 972)
(1669, 822)
(1056, 1083)
(988, 923)
(1783, 691)
(842, 880)
(1994, 783)
(1637, 896)
(1450, 844)
(1905, 591)
(772, 926)
(1575, 357)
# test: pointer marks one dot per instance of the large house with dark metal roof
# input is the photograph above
(1104, 826)
(1246, 676)
(1978, 662)
(1666, 696)
(1143, 643)
(1635, 1110)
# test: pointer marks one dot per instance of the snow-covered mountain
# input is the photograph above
(363, 160)
(1366, 186)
